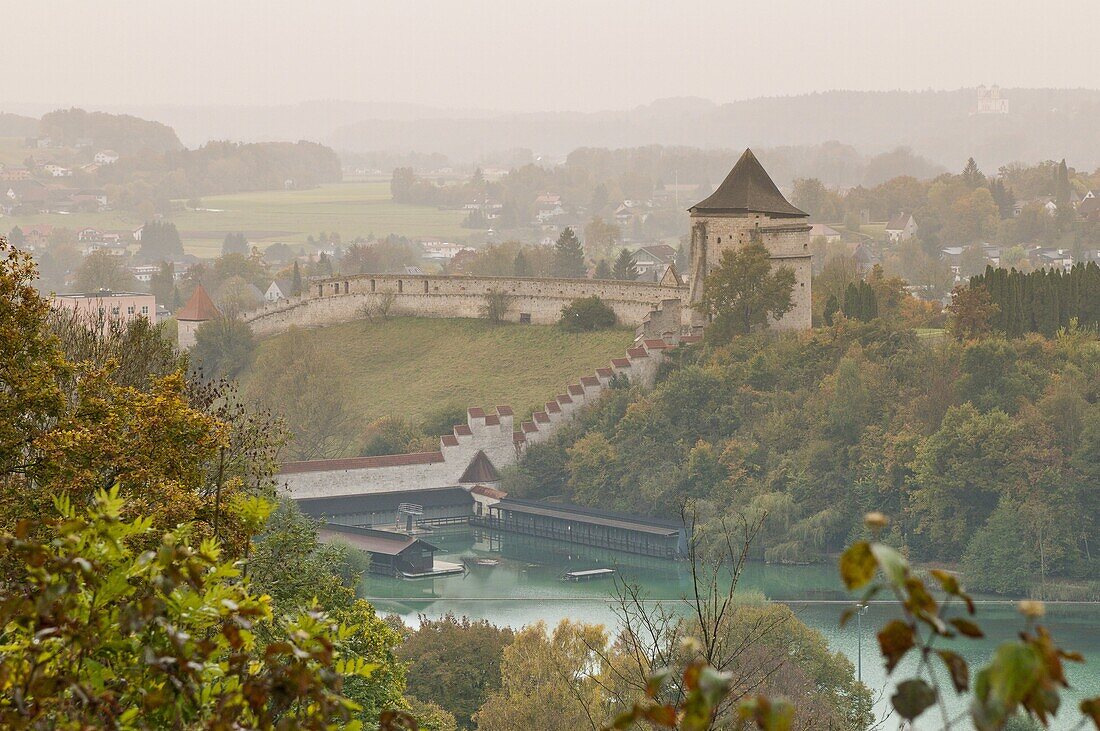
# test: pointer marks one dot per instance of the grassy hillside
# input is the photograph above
(416, 367)
(352, 209)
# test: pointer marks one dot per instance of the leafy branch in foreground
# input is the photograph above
(1025, 674)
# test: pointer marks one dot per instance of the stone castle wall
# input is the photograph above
(539, 301)
(493, 432)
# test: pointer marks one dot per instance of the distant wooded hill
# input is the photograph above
(16, 125)
(1041, 124)
(122, 133)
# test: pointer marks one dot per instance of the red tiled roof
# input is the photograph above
(199, 308)
(504, 410)
(462, 430)
(492, 420)
(476, 412)
(528, 427)
(552, 407)
(656, 344)
(691, 339)
(480, 469)
(620, 362)
(488, 492)
(541, 417)
(589, 381)
(606, 372)
(576, 390)
(450, 440)
(637, 353)
(564, 399)
(518, 437)
(360, 463)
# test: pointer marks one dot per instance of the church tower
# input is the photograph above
(748, 207)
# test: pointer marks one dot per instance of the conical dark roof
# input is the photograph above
(480, 470)
(748, 187)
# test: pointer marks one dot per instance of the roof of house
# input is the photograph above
(378, 502)
(662, 253)
(565, 511)
(489, 492)
(367, 539)
(199, 307)
(480, 469)
(748, 187)
(823, 229)
(898, 222)
(360, 463)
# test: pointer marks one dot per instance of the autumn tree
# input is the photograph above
(743, 291)
(101, 270)
(972, 312)
(223, 348)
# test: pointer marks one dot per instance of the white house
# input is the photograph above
(279, 289)
(57, 171)
(106, 157)
(444, 250)
(901, 228)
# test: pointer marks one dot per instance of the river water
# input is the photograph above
(525, 587)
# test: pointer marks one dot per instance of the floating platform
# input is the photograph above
(439, 568)
(588, 575)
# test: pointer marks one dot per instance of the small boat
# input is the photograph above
(481, 563)
(587, 574)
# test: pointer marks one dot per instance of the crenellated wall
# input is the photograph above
(540, 301)
(493, 432)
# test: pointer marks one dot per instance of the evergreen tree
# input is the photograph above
(160, 241)
(852, 306)
(568, 261)
(626, 268)
(831, 308)
(296, 280)
(162, 285)
(1003, 197)
(868, 302)
(971, 175)
(521, 267)
(17, 238)
(603, 270)
(1062, 187)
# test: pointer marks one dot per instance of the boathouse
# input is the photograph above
(391, 554)
(437, 506)
(589, 527)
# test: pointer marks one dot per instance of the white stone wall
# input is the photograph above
(342, 299)
(493, 433)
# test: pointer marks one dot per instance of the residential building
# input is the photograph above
(901, 228)
(97, 307)
(651, 261)
(279, 289)
(830, 234)
(106, 157)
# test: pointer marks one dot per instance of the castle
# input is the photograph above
(746, 207)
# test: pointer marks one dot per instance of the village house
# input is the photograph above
(652, 261)
(1046, 202)
(89, 234)
(279, 290)
(11, 174)
(443, 250)
(57, 171)
(145, 272)
(121, 306)
(901, 227)
(821, 230)
(106, 157)
(38, 236)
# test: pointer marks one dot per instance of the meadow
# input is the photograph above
(414, 367)
(352, 209)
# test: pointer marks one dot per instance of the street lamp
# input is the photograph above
(860, 610)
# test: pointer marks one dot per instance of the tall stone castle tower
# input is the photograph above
(749, 207)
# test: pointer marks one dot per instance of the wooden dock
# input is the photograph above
(588, 574)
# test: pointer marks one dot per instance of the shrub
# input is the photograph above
(587, 314)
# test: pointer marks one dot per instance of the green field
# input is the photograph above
(414, 367)
(351, 209)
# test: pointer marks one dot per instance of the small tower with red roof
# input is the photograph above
(199, 309)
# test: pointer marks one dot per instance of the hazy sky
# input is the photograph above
(521, 55)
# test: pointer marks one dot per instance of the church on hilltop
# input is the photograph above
(748, 207)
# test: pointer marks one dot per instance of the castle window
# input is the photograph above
(373, 285)
(525, 318)
(346, 286)
(400, 286)
(425, 286)
(320, 290)
(719, 239)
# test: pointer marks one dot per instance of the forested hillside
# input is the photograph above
(986, 452)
